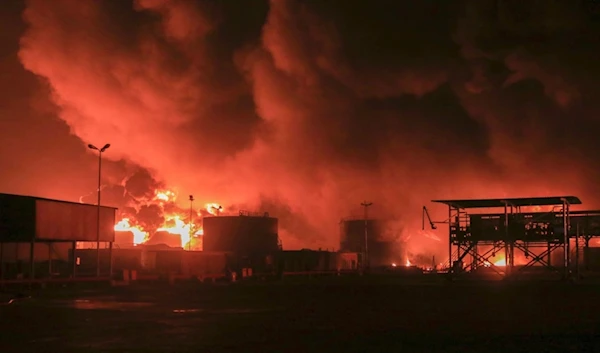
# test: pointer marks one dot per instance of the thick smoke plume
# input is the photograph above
(308, 108)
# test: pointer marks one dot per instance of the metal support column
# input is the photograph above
(586, 251)
(110, 255)
(366, 205)
(566, 237)
(98, 214)
(474, 257)
(577, 251)
(100, 151)
(49, 259)
(506, 241)
(1, 261)
(74, 252)
(460, 243)
(32, 260)
(191, 230)
(449, 239)
(18, 268)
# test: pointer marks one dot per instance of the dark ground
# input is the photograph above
(319, 315)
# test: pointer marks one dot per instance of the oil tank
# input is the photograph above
(241, 235)
(124, 239)
(382, 248)
(166, 238)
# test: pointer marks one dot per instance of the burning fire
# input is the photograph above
(164, 195)
(139, 236)
(182, 229)
(408, 263)
(500, 263)
(174, 223)
(214, 208)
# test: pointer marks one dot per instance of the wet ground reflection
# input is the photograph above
(85, 304)
(315, 317)
(112, 304)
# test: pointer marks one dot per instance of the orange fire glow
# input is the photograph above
(182, 229)
(174, 222)
(501, 262)
(139, 236)
(214, 208)
(164, 195)
(408, 263)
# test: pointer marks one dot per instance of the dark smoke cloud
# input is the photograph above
(150, 217)
(315, 106)
(296, 230)
(141, 185)
(531, 64)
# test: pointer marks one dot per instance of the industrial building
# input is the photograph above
(383, 245)
(252, 238)
(152, 262)
(247, 234)
(246, 244)
(556, 240)
(42, 239)
(39, 238)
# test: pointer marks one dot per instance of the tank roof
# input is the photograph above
(265, 215)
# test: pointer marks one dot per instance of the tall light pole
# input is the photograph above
(191, 219)
(100, 150)
(366, 205)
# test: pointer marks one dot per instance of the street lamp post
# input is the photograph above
(191, 221)
(100, 150)
(366, 205)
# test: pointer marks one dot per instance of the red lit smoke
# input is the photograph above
(306, 108)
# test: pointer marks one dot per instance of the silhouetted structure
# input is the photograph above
(252, 239)
(520, 226)
(49, 230)
(383, 250)
(244, 234)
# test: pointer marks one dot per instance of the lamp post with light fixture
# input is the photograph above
(100, 151)
(191, 221)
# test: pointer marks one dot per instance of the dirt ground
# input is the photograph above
(319, 315)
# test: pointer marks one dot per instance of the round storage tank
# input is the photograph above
(244, 235)
(383, 247)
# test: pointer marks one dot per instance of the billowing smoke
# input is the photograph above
(311, 107)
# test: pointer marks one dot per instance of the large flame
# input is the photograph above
(214, 208)
(139, 236)
(185, 231)
(165, 195)
(174, 222)
(501, 262)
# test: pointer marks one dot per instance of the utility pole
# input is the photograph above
(191, 221)
(366, 205)
(100, 151)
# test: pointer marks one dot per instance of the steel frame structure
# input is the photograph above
(537, 235)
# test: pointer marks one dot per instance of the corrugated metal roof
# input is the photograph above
(528, 201)
(52, 200)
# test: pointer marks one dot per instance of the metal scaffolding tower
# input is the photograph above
(477, 234)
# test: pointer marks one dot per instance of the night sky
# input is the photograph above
(302, 108)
